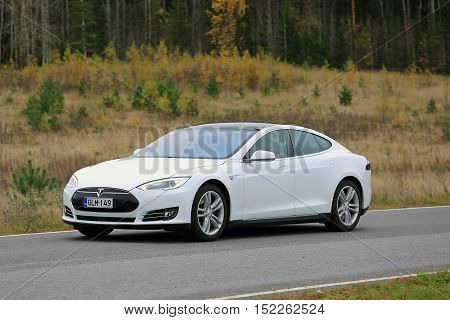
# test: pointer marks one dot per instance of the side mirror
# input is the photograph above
(262, 155)
(136, 152)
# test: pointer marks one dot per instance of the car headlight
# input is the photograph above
(73, 182)
(164, 184)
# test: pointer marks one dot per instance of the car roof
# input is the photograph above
(256, 126)
(236, 125)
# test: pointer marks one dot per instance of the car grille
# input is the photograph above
(123, 200)
(104, 219)
(68, 212)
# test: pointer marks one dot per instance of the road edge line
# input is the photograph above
(35, 233)
(410, 208)
(320, 286)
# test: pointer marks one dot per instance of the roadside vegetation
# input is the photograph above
(423, 287)
(71, 113)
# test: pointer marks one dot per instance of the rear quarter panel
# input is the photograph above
(352, 165)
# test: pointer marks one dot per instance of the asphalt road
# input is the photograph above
(160, 265)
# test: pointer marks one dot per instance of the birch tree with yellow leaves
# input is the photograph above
(226, 16)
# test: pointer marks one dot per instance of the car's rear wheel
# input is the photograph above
(94, 231)
(209, 213)
(346, 209)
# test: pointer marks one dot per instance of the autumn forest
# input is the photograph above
(304, 32)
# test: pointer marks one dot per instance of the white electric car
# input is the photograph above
(203, 179)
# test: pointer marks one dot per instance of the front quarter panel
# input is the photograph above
(229, 175)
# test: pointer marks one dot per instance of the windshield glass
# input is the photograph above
(198, 143)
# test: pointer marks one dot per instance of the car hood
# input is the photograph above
(129, 173)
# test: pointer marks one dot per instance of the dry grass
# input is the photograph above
(387, 121)
(422, 287)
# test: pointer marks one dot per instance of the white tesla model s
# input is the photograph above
(203, 179)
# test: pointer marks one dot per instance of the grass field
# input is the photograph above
(423, 287)
(389, 120)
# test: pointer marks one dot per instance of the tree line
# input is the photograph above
(313, 32)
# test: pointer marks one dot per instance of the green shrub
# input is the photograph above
(414, 112)
(138, 99)
(32, 178)
(98, 128)
(208, 117)
(361, 83)
(345, 96)
(9, 100)
(333, 109)
(315, 91)
(192, 107)
(173, 94)
(446, 131)
(151, 95)
(212, 87)
(168, 90)
(112, 100)
(145, 97)
(43, 109)
(431, 106)
(273, 86)
(80, 117)
(241, 92)
(193, 86)
(81, 113)
(303, 102)
(84, 87)
(265, 91)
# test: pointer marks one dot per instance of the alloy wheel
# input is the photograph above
(210, 213)
(348, 205)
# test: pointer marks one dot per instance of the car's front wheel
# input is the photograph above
(346, 209)
(94, 231)
(209, 213)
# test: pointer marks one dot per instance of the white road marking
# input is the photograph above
(35, 234)
(66, 231)
(320, 286)
(413, 208)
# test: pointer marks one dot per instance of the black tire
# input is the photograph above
(196, 233)
(334, 223)
(94, 231)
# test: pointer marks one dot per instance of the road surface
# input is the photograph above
(161, 265)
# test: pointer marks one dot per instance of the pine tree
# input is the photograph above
(86, 32)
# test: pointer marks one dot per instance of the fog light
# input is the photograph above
(162, 214)
(169, 213)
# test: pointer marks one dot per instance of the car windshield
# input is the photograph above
(198, 143)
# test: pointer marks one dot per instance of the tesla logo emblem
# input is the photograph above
(100, 191)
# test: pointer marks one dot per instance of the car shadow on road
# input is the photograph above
(235, 233)
(272, 230)
(133, 236)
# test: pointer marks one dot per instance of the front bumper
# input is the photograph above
(149, 201)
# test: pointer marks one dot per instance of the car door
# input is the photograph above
(269, 185)
(314, 167)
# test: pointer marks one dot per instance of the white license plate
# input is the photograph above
(104, 203)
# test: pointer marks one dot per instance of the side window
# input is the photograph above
(274, 141)
(324, 143)
(304, 143)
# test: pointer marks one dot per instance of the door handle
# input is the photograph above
(328, 162)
